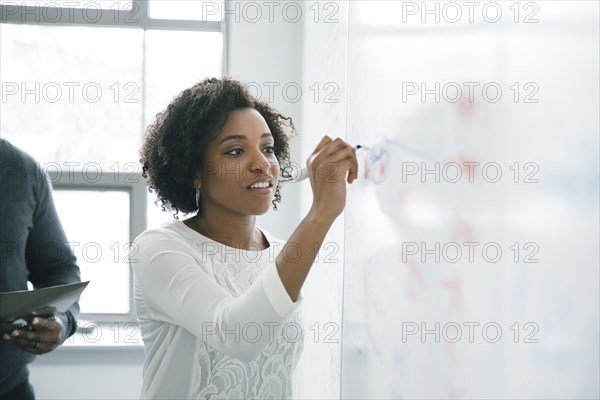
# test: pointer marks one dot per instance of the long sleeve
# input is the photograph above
(177, 288)
(50, 260)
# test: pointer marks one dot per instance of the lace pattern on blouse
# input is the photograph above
(267, 377)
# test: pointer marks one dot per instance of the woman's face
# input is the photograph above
(240, 156)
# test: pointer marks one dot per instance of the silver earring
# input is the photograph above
(197, 197)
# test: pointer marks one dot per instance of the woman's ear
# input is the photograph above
(198, 179)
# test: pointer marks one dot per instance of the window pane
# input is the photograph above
(117, 5)
(175, 61)
(72, 95)
(97, 226)
(188, 10)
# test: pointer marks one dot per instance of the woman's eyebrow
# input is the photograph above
(243, 137)
(233, 137)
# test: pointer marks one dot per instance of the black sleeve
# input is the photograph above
(50, 259)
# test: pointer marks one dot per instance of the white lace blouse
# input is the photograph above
(216, 321)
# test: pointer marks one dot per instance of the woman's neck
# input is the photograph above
(238, 234)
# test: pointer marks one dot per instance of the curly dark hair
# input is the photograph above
(175, 144)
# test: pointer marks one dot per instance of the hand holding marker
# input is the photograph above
(298, 175)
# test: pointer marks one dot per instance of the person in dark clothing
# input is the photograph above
(33, 247)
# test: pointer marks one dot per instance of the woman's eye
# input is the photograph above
(270, 149)
(236, 154)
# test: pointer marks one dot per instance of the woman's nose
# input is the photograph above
(260, 163)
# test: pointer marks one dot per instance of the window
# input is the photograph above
(80, 83)
(99, 222)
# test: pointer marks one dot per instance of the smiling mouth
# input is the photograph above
(270, 185)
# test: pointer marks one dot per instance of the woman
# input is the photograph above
(215, 295)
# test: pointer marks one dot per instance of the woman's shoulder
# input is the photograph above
(168, 239)
(168, 231)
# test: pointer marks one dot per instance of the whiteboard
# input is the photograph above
(471, 238)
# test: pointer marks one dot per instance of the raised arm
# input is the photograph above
(329, 164)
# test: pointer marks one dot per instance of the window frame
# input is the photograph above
(134, 185)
